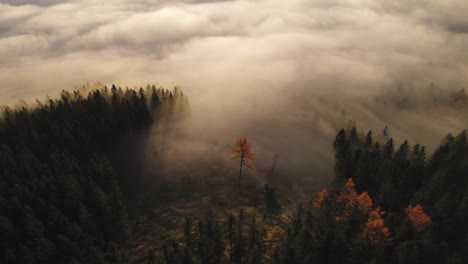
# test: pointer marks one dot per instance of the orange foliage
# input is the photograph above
(348, 195)
(321, 198)
(377, 233)
(364, 203)
(419, 219)
(375, 229)
(243, 149)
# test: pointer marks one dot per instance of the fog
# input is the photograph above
(285, 74)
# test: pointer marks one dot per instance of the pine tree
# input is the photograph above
(342, 154)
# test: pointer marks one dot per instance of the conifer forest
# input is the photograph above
(233, 132)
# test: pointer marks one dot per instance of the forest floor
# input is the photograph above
(158, 218)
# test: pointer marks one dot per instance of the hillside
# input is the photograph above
(100, 175)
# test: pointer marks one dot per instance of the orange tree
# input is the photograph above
(243, 150)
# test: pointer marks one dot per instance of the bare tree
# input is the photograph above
(273, 170)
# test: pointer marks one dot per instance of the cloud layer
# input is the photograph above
(264, 69)
(233, 47)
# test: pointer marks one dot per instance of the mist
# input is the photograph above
(287, 75)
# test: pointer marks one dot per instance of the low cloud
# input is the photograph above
(348, 46)
(248, 66)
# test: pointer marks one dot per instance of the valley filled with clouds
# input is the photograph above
(280, 72)
(232, 47)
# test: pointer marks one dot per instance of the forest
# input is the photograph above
(387, 204)
(78, 184)
(65, 177)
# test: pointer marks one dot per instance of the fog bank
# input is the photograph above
(286, 74)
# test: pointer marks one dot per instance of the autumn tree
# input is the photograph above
(377, 233)
(418, 218)
(243, 150)
(364, 203)
(320, 201)
(347, 198)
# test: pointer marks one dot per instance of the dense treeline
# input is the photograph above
(61, 192)
(397, 178)
(386, 205)
(240, 238)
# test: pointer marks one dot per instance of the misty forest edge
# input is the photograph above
(74, 176)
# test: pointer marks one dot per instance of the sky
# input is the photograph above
(232, 49)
